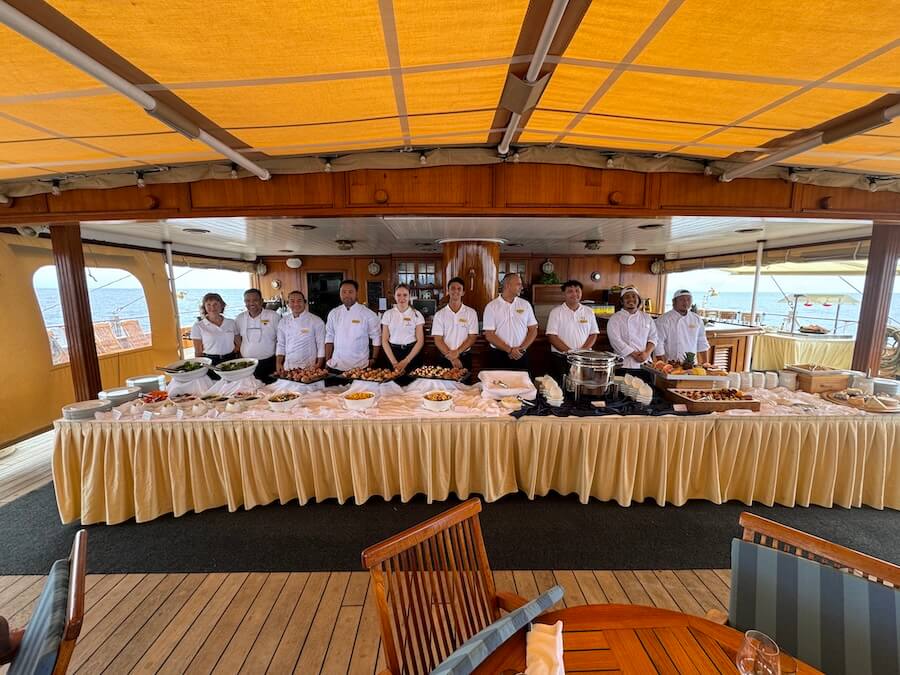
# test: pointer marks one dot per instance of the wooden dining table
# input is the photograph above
(634, 639)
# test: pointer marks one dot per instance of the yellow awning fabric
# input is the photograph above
(698, 78)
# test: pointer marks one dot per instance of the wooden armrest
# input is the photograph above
(385, 672)
(717, 616)
(510, 601)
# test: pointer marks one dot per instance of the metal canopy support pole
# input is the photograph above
(170, 271)
(837, 313)
(68, 256)
(874, 310)
(760, 247)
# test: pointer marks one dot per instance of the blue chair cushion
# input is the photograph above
(44, 630)
(832, 620)
(478, 647)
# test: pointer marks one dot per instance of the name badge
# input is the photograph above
(464, 321)
(520, 311)
(304, 330)
(407, 319)
(265, 322)
(582, 320)
(355, 321)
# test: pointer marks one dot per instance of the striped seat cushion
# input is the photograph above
(837, 622)
(44, 630)
(478, 647)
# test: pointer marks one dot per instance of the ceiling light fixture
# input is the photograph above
(610, 162)
(707, 169)
(793, 176)
(651, 226)
(548, 32)
(52, 42)
(423, 159)
(345, 244)
(54, 188)
(627, 260)
(302, 226)
(294, 263)
(140, 179)
(515, 158)
(234, 173)
(748, 230)
(4, 199)
(853, 126)
(285, 250)
(593, 244)
(873, 184)
(511, 244)
(327, 166)
(637, 250)
(194, 230)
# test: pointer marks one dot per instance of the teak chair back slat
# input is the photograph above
(433, 589)
(75, 603)
(783, 538)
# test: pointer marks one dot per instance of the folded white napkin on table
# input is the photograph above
(244, 385)
(424, 385)
(517, 382)
(196, 387)
(544, 650)
(380, 388)
(298, 387)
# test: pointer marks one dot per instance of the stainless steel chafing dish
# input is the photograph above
(590, 372)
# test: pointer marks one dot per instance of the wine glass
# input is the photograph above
(758, 655)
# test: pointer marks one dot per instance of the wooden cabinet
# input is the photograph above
(532, 185)
(448, 186)
(159, 197)
(697, 192)
(310, 190)
(837, 201)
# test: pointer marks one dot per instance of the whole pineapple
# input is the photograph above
(690, 360)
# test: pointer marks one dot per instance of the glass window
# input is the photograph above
(192, 283)
(417, 273)
(505, 267)
(118, 309)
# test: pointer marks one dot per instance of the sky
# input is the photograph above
(185, 278)
(700, 281)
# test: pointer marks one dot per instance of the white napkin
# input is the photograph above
(544, 650)
(245, 384)
(297, 387)
(424, 385)
(380, 388)
(196, 387)
(517, 384)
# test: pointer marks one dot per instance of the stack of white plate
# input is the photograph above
(119, 395)
(84, 410)
(147, 383)
(644, 393)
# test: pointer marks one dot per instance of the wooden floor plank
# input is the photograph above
(239, 646)
(356, 588)
(715, 584)
(103, 657)
(611, 587)
(590, 587)
(273, 629)
(680, 594)
(654, 588)
(178, 627)
(632, 587)
(725, 576)
(368, 638)
(525, 584)
(297, 629)
(573, 596)
(141, 641)
(23, 598)
(337, 659)
(698, 590)
(504, 582)
(97, 608)
(313, 653)
(21, 585)
(190, 643)
(228, 623)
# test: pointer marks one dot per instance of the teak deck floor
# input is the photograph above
(301, 622)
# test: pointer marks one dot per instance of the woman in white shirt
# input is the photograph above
(402, 331)
(214, 336)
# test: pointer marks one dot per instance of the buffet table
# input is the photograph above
(797, 451)
(773, 351)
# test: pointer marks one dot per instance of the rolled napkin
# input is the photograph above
(544, 650)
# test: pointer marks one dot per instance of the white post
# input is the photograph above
(170, 270)
(748, 356)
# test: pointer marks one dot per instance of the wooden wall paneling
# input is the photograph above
(450, 186)
(874, 309)
(361, 274)
(68, 256)
(289, 190)
(558, 186)
(824, 200)
(35, 204)
(690, 191)
(162, 197)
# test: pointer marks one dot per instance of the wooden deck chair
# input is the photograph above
(828, 605)
(106, 339)
(434, 590)
(51, 632)
(136, 335)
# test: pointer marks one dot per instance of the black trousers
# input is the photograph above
(559, 367)
(217, 359)
(265, 370)
(400, 353)
(465, 359)
(500, 361)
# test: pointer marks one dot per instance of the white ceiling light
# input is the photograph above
(294, 263)
(50, 41)
(627, 259)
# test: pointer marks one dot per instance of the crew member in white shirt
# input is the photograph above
(631, 332)
(301, 337)
(402, 332)
(509, 326)
(570, 326)
(214, 336)
(258, 330)
(349, 330)
(681, 331)
(455, 327)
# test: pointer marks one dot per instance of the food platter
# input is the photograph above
(303, 375)
(440, 373)
(814, 369)
(666, 380)
(377, 375)
(865, 405)
(713, 400)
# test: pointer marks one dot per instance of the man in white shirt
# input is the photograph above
(631, 332)
(455, 327)
(681, 331)
(258, 330)
(509, 326)
(349, 330)
(301, 337)
(570, 326)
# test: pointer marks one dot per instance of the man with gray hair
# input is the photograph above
(509, 326)
(681, 331)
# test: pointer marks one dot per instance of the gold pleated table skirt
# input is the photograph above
(113, 471)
